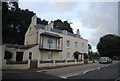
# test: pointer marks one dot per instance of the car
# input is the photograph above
(105, 60)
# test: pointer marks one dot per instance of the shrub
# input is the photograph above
(8, 55)
(85, 56)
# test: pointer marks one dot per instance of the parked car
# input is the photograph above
(105, 60)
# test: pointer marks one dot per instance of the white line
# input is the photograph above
(107, 65)
(39, 71)
(43, 71)
(74, 75)
(85, 72)
(117, 79)
(63, 77)
(46, 70)
(99, 67)
(88, 71)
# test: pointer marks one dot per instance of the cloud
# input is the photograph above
(60, 7)
(94, 19)
(102, 17)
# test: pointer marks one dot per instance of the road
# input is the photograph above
(85, 71)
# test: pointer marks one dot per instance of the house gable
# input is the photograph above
(31, 32)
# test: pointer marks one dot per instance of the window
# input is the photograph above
(68, 44)
(75, 45)
(49, 55)
(82, 44)
(50, 42)
(68, 55)
(30, 55)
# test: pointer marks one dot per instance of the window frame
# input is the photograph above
(68, 44)
(49, 55)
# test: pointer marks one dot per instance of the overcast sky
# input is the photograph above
(93, 19)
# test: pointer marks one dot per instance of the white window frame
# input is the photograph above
(68, 55)
(30, 55)
(82, 45)
(49, 55)
(75, 45)
(68, 44)
(50, 42)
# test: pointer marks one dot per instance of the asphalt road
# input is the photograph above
(108, 72)
(86, 71)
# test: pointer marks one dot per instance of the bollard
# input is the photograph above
(28, 63)
(54, 62)
(75, 61)
(66, 61)
(3, 63)
(38, 63)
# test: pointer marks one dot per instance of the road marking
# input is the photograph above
(107, 65)
(99, 67)
(117, 79)
(46, 70)
(74, 75)
(88, 71)
(63, 77)
(43, 71)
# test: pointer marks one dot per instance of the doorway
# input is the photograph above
(19, 56)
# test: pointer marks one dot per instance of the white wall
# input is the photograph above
(35, 53)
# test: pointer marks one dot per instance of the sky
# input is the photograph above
(93, 19)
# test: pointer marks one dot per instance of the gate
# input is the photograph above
(33, 63)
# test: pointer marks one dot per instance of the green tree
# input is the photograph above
(8, 55)
(62, 25)
(89, 49)
(15, 22)
(109, 45)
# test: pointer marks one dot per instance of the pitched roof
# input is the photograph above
(51, 34)
(77, 53)
(20, 46)
(40, 26)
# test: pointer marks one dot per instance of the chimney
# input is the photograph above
(51, 24)
(78, 32)
(34, 20)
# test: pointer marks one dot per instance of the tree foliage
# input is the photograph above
(8, 55)
(109, 45)
(63, 25)
(89, 49)
(15, 23)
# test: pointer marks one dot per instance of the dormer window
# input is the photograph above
(65, 32)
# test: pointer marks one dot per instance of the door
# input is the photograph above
(19, 56)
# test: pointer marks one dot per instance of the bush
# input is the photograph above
(85, 56)
(16, 62)
(8, 55)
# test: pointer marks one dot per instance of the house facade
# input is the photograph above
(53, 44)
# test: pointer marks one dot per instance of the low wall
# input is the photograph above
(58, 64)
(43, 64)
(16, 66)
